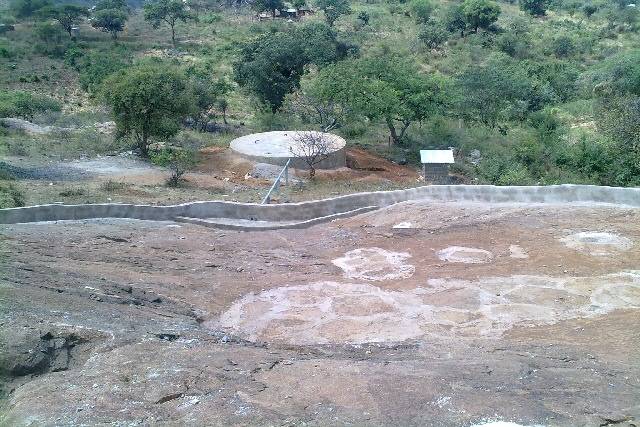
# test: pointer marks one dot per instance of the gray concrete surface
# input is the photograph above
(261, 225)
(566, 193)
(275, 148)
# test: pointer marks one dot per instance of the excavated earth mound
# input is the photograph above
(421, 313)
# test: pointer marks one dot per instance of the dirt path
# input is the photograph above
(418, 314)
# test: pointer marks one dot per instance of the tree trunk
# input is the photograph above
(224, 116)
(114, 35)
(273, 13)
(393, 133)
(143, 145)
(173, 35)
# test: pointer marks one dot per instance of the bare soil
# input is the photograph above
(358, 321)
(220, 174)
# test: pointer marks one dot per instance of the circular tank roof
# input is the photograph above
(277, 144)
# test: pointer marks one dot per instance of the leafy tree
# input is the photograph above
(148, 102)
(110, 21)
(25, 104)
(49, 33)
(333, 9)
(168, 12)
(534, 7)
(299, 4)
(27, 8)
(563, 46)
(454, 19)
(421, 10)
(494, 92)
(434, 34)
(272, 65)
(111, 4)
(96, 66)
(270, 5)
(209, 93)
(616, 86)
(67, 15)
(480, 13)
(386, 88)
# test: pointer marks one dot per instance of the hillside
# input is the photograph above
(532, 93)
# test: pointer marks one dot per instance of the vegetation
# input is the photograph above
(168, 12)
(546, 92)
(148, 102)
(25, 105)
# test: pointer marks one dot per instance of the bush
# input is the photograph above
(25, 104)
(534, 7)
(51, 39)
(10, 196)
(563, 46)
(111, 186)
(27, 8)
(94, 67)
(421, 10)
(434, 34)
(178, 159)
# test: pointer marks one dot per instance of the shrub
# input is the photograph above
(434, 34)
(25, 104)
(111, 186)
(94, 67)
(178, 159)
(563, 46)
(421, 10)
(10, 196)
(27, 8)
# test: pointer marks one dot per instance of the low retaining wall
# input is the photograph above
(566, 193)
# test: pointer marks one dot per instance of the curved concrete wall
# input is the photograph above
(308, 210)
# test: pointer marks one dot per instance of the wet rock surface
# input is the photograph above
(133, 322)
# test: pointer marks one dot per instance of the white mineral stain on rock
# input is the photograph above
(402, 225)
(330, 312)
(375, 264)
(597, 243)
(516, 251)
(502, 424)
(465, 255)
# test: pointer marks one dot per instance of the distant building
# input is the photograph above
(435, 165)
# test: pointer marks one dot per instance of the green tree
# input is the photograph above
(27, 8)
(67, 15)
(480, 13)
(333, 9)
(209, 93)
(387, 88)
(421, 10)
(434, 34)
(168, 12)
(109, 21)
(454, 19)
(95, 66)
(272, 65)
(148, 102)
(534, 7)
(270, 5)
(493, 92)
(111, 4)
(50, 34)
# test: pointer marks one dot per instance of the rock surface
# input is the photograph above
(134, 322)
